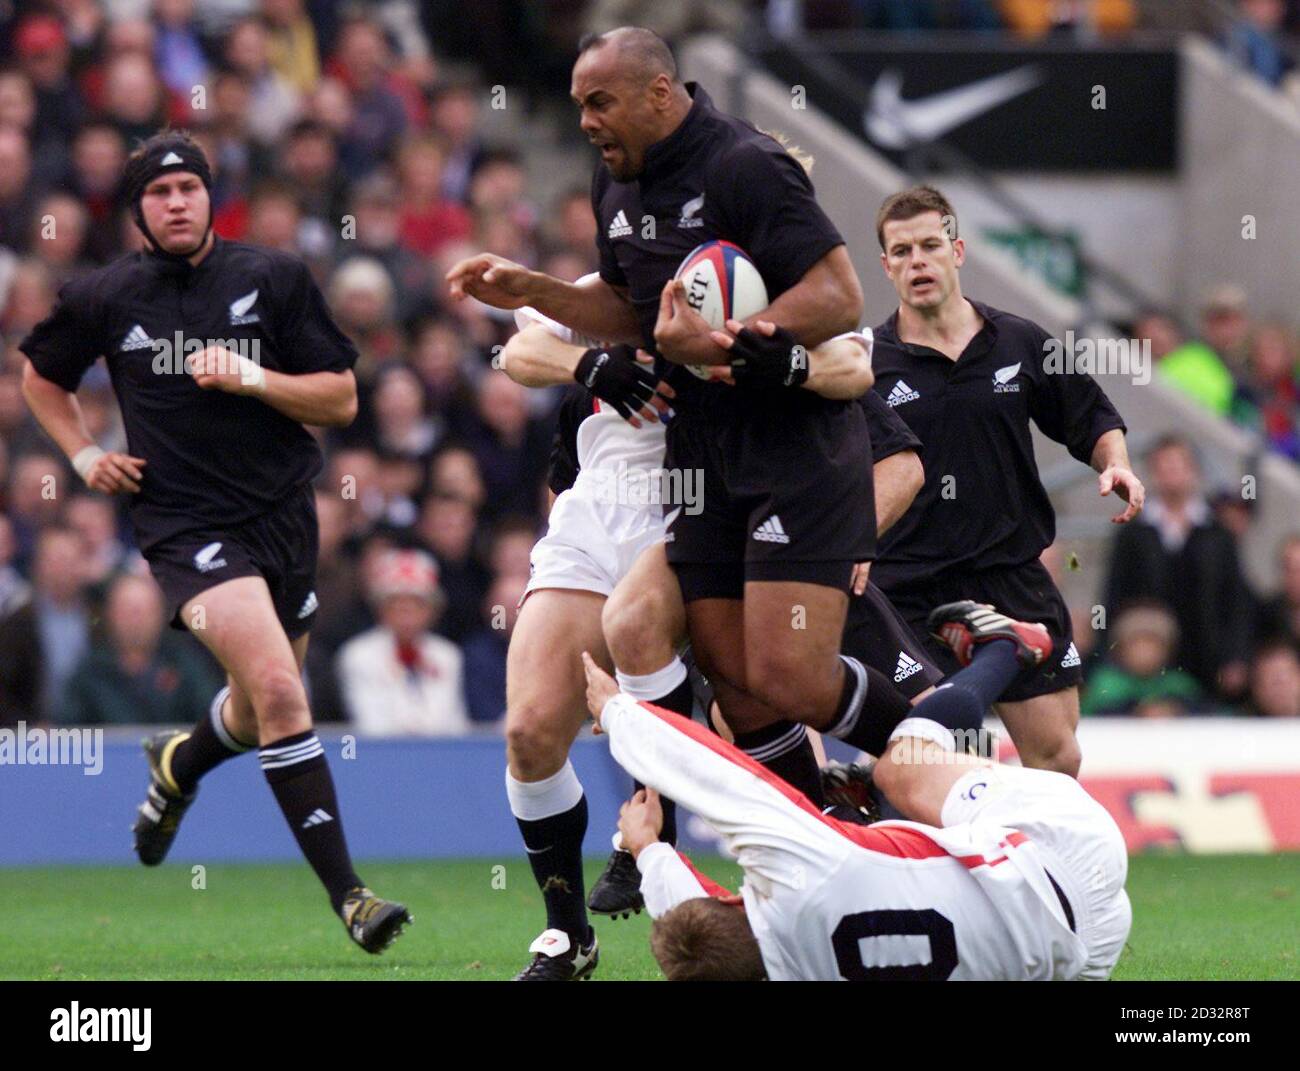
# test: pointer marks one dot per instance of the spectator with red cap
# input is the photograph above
(399, 678)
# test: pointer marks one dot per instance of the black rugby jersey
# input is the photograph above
(889, 432)
(214, 459)
(983, 505)
(714, 177)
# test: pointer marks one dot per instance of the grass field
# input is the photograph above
(1195, 917)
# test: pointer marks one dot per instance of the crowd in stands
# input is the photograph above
(1178, 628)
(1238, 366)
(335, 133)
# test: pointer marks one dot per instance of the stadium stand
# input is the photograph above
(383, 141)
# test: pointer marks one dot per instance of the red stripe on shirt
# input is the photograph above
(901, 842)
(706, 883)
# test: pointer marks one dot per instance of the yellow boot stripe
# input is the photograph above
(165, 763)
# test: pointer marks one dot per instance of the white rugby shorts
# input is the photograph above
(590, 545)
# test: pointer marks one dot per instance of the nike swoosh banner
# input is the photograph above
(1007, 107)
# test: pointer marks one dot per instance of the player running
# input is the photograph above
(219, 472)
(968, 379)
(606, 471)
(1003, 873)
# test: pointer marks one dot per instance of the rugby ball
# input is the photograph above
(721, 284)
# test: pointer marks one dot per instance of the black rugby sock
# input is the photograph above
(299, 776)
(555, 853)
(962, 700)
(209, 744)
(554, 843)
(882, 709)
(784, 748)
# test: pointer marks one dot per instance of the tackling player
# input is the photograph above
(968, 379)
(219, 473)
(605, 470)
(1004, 873)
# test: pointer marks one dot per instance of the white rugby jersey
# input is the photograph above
(829, 900)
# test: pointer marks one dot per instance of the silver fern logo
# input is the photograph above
(1004, 379)
(239, 313)
(689, 218)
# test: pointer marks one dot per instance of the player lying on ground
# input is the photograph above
(219, 473)
(1003, 873)
(611, 441)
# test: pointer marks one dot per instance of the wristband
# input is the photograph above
(252, 374)
(84, 459)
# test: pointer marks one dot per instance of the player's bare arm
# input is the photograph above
(839, 369)
(597, 309)
(322, 399)
(826, 302)
(898, 480)
(59, 413)
(1110, 458)
(535, 357)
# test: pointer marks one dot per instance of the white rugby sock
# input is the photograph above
(532, 801)
(648, 686)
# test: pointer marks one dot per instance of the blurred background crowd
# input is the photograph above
(381, 142)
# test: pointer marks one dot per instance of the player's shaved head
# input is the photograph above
(705, 940)
(625, 83)
(641, 54)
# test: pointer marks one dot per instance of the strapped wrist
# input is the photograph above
(252, 374)
(84, 459)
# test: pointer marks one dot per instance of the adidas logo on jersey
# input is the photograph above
(136, 339)
(907, 666)
(770, 531)
(1003, 379)
(1071, 657)
(689, 210)
(619, 227)
(901, 393)
(239, 313)
(309, 605)
(206, 560)
(318, 817)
